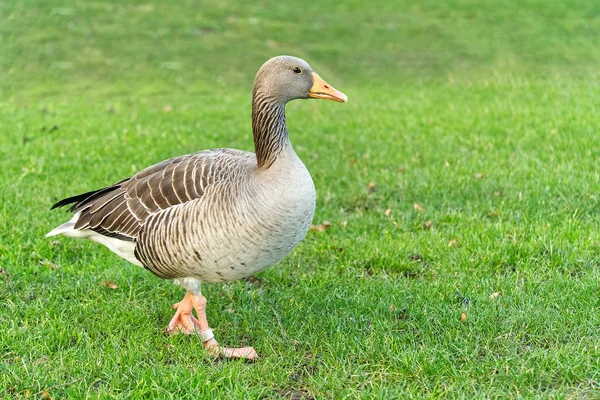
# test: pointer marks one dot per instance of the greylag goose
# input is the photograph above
(216, 215)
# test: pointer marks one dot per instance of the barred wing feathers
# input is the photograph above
(119, 211)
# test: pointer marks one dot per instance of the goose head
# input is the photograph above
(286, 78)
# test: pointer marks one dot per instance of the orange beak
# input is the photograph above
(323, 90)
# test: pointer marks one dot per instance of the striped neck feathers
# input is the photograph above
(269, 128)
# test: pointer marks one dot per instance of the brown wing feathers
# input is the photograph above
(121, 209)
(82, 198)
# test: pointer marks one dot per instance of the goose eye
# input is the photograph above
(297, 70)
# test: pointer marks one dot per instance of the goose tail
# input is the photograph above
(68, 229)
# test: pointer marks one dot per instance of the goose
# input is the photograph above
(216, 215)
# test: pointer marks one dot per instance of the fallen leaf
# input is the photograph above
(401, 169)
(463, 317)
(372, 187)
(392, 307)
(494, 295)
(27, 393)
(167, 108)
(428, 224)
(388, 212)
(321, 228)
(109, 284)
(494, 213)
(45, 394)
(418, 207)
(479, 175)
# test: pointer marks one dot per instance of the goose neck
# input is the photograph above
(269, 128)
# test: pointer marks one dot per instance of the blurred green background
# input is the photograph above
(118, 48)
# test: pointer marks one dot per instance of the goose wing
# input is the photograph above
(120, 210)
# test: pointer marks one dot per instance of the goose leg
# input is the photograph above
(185, 322)
(210, 343)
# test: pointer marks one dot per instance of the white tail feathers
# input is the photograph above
(64, 228)
(123, 248)
(68, 228)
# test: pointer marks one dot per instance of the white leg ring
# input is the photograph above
(207, 335)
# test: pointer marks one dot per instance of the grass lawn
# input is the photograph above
(461, 181)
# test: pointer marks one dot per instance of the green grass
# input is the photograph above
(484, 114)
